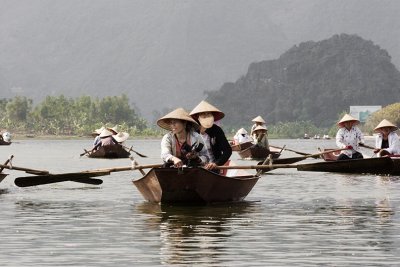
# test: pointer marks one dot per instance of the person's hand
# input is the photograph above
(177, 162)
(349, 147)
(376, 150)
(210, 166)
(192, 155)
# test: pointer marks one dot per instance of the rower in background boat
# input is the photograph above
(261, 136)
(176, 144)
(106, 139)
(349, 137)
(258, 121)
(218, 148)
(386, 141)
(96, 136)
(121, 137)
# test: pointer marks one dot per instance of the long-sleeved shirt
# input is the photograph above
(394, 143)
(168, 146)
(352, 137)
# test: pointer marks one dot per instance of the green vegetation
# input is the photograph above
(390, 112)
(59, 115)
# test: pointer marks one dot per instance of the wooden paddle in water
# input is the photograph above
(56, 178)
(297, 159)
(294, 151)
(137, 153)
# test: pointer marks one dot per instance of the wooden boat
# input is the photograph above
(384, 165)
(4, 143)
(193, 185)
(242, 146)
(329, 156)
(256, 152)
(109, 152)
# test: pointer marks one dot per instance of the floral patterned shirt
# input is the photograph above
(352, 137)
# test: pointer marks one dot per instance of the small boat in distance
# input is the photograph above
(109, 152)
(194, 185)
(254, 152)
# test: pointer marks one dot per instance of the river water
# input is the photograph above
(290, 217)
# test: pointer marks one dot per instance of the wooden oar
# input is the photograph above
(297, 159)
(32, 171)
(56, 178)
(86, 152)
(294, 151)
(366, 146)
(137, 153)
(6, 163)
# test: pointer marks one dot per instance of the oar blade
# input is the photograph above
(57, 178)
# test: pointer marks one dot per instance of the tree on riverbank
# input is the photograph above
(59, 115)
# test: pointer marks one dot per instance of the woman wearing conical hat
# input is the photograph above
(258, 121)
(349, 137)
(261, 134)
(96, 135)
(106, 139)
(387, 141)
(182, 145)
(218, 147)
(241, 137)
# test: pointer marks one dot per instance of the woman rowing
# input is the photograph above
(261, 136)
(387, 141)
(258, 121)
(349, 137)
(218, 147)
(182, 145)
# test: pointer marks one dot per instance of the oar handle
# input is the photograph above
(33, 171)
(127, 168)
(366, 146)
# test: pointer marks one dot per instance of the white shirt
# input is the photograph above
(394, 143)
(352, 138)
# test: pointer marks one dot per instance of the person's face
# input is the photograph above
(206, 119)
(385, 131)
(177, 126)
(348, 124)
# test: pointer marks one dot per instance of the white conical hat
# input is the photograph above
(204, 106)
(242, 131)
(346, 118)
(177, 114)
(385, 123)
(114, 129)
(121, 137)
(98, 131)
(258, 119)
(260, 127)
(105, 133)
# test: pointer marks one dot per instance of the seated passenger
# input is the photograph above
(182, 145)
(387, 141)
(218, 147)
(241, 137)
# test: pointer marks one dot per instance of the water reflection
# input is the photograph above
(185, 228)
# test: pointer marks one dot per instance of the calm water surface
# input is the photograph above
(290, 217)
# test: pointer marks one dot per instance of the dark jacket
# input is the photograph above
(219, 145)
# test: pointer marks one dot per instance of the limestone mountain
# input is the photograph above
(312, 81)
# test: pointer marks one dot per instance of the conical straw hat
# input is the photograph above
(346, 118)
(121, 137)
(204, 106)
(114, 129)
(258, 119)
(242, 131)
(177, 114)
(105, 133)
(260, 127)
(385, 123)
(98, 131)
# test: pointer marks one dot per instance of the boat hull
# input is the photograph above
(110, 152)
(257, 152)
(193, 185)
(2, 176)
(4, 143)
(383, 165)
